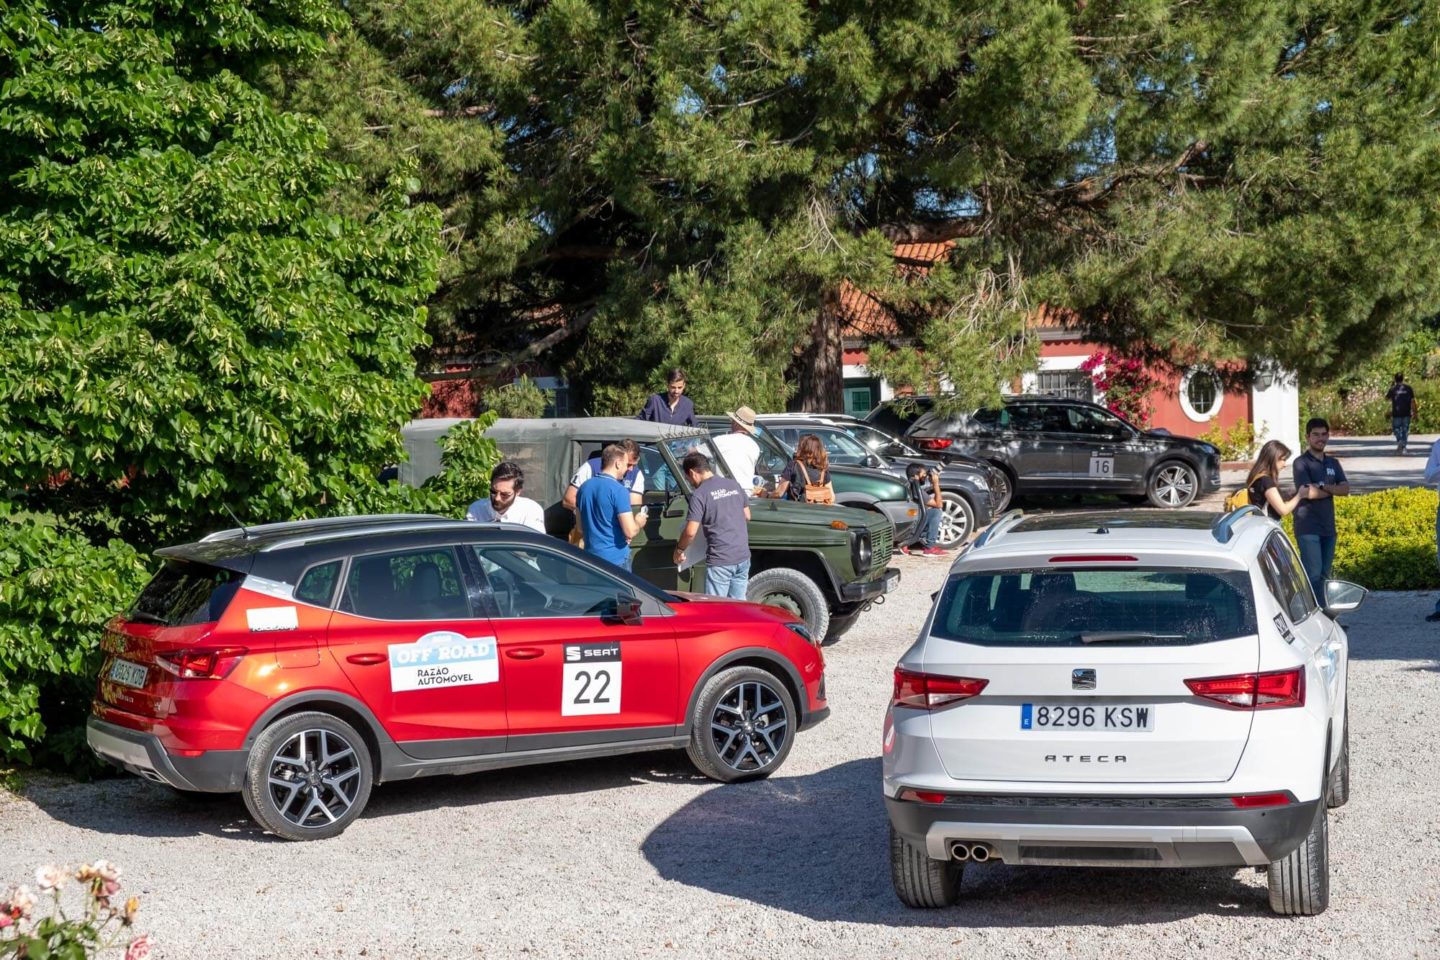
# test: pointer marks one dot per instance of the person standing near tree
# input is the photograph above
(1402, 408)
(738, 448)
(672, 406)
(1323, 479)
(806, 478)
(602, 511)
(720, 508)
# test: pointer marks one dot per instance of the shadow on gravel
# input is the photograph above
(817, 846)
(130, 806)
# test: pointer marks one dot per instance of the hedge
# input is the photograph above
(1386, 540)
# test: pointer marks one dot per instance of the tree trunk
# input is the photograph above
(820, 366)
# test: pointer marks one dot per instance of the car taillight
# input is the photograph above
(1254, 800)
(926, 691)
(1254, 691)
(213, 663)
(932, 443)
(921, 796)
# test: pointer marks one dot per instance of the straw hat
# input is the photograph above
(745, 417)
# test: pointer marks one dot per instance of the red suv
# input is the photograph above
(302, 663)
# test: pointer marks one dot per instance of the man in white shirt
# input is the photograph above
(505, 505)
(1432, 479)
(633, 478)
(738, 448)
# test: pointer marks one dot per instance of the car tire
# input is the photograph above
(294, 793)
(1001, 496)
(1300, 882)
(921, 882)
(792, 591)
(957, 520)
(1339, 793)
(733, 731)
(1173, 484)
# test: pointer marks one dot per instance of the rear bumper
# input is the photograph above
(214, 771)
(1107, 831)
(862, 590)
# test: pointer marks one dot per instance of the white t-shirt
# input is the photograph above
(740, 452)
(585, 473)
(523, 510)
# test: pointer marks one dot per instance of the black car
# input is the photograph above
(899, 415)
(1055, 445)
(968, 486)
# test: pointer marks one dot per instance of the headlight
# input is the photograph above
(860, 550)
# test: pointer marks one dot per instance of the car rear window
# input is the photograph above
(1130, 606)
(183, 593)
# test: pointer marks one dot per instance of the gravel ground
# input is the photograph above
(639, 856)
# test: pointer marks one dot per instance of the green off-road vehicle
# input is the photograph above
(825, 564)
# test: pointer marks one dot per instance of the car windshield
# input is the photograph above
(879, 441)
(842, 448)
(1135, 606)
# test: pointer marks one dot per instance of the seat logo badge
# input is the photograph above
(1082, 678)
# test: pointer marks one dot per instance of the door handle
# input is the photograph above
(673, 513)
(367, 659)
(525, 653)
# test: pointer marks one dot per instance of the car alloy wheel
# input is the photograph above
(314, 778)
(1174, 485)
(749, 726)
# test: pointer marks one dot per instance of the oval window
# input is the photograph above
(1201, 394)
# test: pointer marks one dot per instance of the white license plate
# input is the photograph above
(891, 582)
(130, 674)
(1102, 468)
(1129, 718)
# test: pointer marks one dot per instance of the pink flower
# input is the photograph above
(50, 877)
(5, 919)
(140, 948)
(22, 901)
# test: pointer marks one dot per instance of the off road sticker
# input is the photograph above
(1283, 626)
(1102, 468)
(592, 679)
(443, 659)
(265, 619)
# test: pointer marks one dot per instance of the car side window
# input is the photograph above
(656, 470)
(988, 422)
(842, 448)
(422, 584)
(317, 585)
(1286, 580)
(786, 435)
(528, 583)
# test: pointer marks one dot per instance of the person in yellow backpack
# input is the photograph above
(1262, 486)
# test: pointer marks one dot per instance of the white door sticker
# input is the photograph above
(443, 659)
(592, 679)
(263, 619)
(1102, 468)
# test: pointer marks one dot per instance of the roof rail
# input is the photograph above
(1002, 523)
(1224, 526)
(288, 526)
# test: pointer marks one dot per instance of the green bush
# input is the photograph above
(519, 399)
(1236, 443)
(1386, 540)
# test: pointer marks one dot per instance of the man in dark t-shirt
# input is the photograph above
(1315, 514)
(721, 508)
(1402, 408)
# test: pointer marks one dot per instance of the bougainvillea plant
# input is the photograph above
(1124, 383)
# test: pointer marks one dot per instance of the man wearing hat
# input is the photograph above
(738, 447)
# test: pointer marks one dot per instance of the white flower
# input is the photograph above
(106, 870)
(50, 877)
(22, 901)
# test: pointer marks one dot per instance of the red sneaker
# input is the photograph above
(934, 552)
(905, 549)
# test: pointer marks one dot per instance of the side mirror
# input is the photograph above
(1342, 597)
(627, 611)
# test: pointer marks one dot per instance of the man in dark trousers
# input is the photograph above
(672, 406)
(1315, 514)
(1402, 408)
(721, 508)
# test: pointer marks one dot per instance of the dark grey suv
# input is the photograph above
(1054, 445)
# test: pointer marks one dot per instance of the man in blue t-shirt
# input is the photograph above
(1319, 479)
(721, 508)
(602, 508)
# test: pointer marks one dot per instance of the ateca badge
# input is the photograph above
(443, 659)
(592, 679)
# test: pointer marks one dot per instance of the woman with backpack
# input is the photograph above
(807, 477)
(1263, 483)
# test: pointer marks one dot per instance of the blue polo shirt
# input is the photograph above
(1316, 516)
(600, 503)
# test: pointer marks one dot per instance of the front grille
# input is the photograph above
(881, 542)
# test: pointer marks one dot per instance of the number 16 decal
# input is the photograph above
(592, 679)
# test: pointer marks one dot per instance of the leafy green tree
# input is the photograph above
(521, 398)
(691, 184)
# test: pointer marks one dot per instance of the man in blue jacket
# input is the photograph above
(672, 406)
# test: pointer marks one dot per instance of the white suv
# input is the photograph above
(1125, 689)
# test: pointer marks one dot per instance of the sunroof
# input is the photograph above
(1145, 519)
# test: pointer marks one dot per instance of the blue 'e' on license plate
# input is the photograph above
(1116, 718)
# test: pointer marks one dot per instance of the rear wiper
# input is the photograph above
(1126, 636)
(143, 617)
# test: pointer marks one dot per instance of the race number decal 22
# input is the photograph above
(592, 679)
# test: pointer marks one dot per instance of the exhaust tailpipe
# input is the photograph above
(979, 853)
(960, 851)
